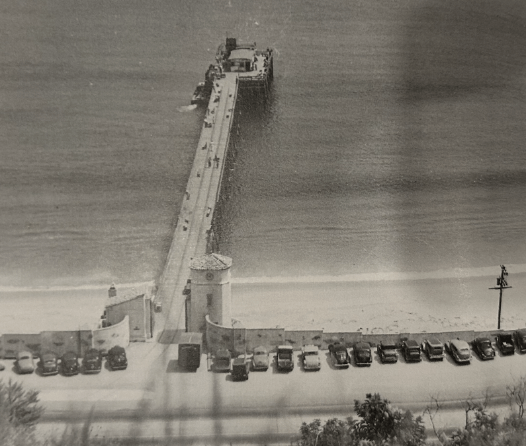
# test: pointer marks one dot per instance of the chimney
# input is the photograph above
(112, 292)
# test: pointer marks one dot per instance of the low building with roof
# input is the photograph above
(136, 303)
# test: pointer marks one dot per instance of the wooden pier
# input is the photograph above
(191, 236)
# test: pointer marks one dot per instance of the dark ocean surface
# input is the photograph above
(393, 141)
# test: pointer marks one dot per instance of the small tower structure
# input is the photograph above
(211, 291)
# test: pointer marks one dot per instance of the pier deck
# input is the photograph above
(195, 218)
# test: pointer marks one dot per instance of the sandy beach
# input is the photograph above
(370, 306)
(36, 311)
(382, 306)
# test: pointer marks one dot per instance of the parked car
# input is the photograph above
(520, 339)
(285, 358)
(260, 359)
(411, 351)
(505, 343)
(434, 349)
(24, 362)
(459, 350)
(222, 360)
(340, 355)
(69, 363)
(387, 352)
(311, 357)
(92, 361)
(117, 358)
(48, 363)
(484, 348)
(362, 354)
(240, 369)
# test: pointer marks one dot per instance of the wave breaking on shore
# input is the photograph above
(443, 274)
(84, 287)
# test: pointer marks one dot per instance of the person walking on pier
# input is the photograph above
(216, 160)
(209, 161)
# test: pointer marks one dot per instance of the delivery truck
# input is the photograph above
(190, 346)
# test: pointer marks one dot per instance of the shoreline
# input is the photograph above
(370, 306)
(399, 306)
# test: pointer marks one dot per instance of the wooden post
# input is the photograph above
(502, 284)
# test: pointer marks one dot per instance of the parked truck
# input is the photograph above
(190, 346)
(285, 358)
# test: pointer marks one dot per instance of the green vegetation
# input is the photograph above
(380, 424)
(20, 413)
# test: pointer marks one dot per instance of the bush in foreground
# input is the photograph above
(20, 413)
(379, 424)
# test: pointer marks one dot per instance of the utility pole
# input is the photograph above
(502, 284)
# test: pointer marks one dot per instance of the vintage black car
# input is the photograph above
(482, 346)
(505, 343)
(362, 354)
(411, 351)
(240, 369)
(117, 358)
(434, 349)
(92, 361)
(520, 339)
(222, 361)
(69, 363)
(340, 355)
(48, 363)
(387, 352)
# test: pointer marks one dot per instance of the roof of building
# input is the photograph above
(112, 301)
(241, 54)
(143, 290)
(215, 262)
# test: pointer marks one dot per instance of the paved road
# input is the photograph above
(153, 398)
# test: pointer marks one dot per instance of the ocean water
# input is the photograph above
(392, 142)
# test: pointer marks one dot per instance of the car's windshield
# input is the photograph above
(24, 357)
(389, 347)
(464, 350)
(310, 353)
(485, 344)
(259, 354)
(283, 355)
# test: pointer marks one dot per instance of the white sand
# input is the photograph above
(370, 306)
(36, 311)
(395, 306)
